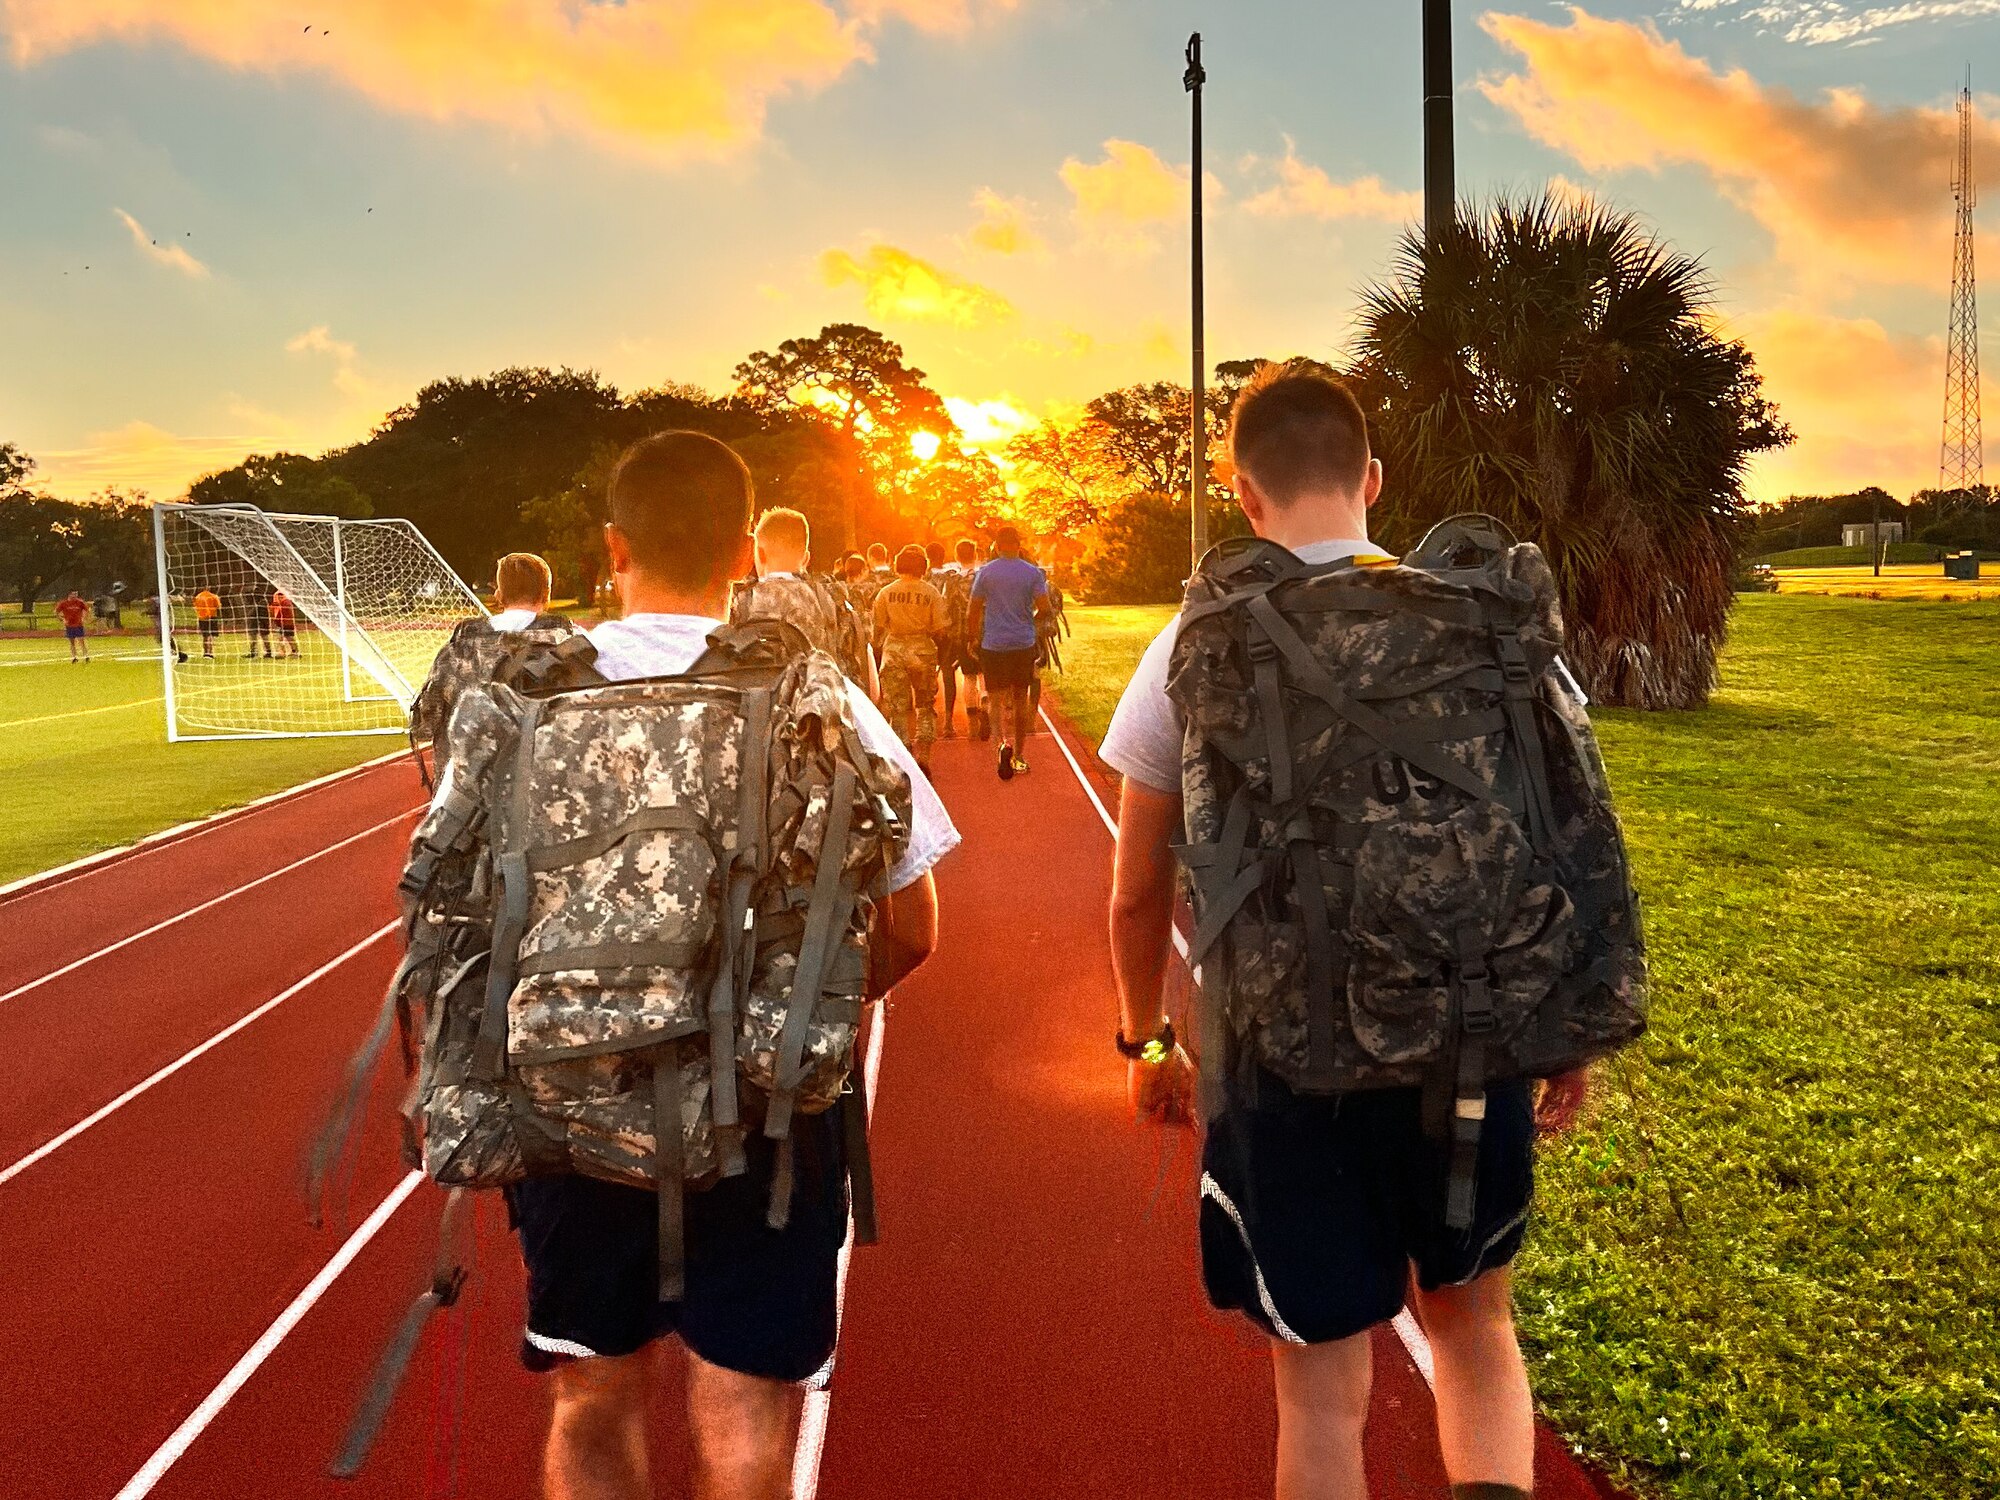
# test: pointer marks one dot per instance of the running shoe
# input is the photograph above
(1020, 766)
(985, 724)
(1006, 763)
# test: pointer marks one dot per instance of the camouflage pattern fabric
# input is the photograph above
(469, 658)
(1402, 854)
(639, 901)
(957, 590)
(815, 606)
(910, 689)
(861, 593)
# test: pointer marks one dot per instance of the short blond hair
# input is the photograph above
(784, 539)
(523, 578)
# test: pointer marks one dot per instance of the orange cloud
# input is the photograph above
(1864, 402)
(1131, 186)
(1847, 189)
(1004, 226)
(142, 456)
(679, 78)
(898, 285)
(170, 255)
(1305, 191)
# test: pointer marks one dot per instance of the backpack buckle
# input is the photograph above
(1261, 648)
(1513, 655)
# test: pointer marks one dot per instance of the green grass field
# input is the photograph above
(1765, 1266)
(86, 766)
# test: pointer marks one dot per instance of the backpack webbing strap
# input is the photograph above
(611, 956)
(860, 1165)
(670, 819)
(833, 900)
(670, 1172)
(1309, 881)
(1325, 596)
(1310, 677)
(1270, 686)
(1517, 699)
(1221, 878)
(489, 1050)
(447, 1281)
(732, 974)
(1472, 983)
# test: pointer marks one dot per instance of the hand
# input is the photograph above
(1162, 1091)
(1561, 1100)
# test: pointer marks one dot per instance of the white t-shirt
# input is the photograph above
(512, 619)
(1144, 741)
(666, 645)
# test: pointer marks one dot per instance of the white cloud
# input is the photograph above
(169, 255)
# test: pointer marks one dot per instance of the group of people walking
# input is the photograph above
(936, 625)
(1412, 913)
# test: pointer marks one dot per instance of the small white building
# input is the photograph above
(1863, 535)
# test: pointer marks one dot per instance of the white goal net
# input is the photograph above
(278, 625)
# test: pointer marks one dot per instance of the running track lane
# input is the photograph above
(54, 924)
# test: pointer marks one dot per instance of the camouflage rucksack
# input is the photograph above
(1403, 860)
(637, 902)
(815, 606)
(470, 658)
(861, 593)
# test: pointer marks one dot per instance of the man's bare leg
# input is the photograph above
(745, 1431)
(597, 1434)
(1486, 1417)
(1322, 1408)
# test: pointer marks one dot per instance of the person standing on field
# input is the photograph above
(285, 620)
(208, 620)
(1319, 1210)
(257, 625)
(72, 611)
(1009, 597)
(909, 619)
(814, 605)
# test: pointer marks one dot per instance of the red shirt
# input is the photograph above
(281, 610)
(72, 612)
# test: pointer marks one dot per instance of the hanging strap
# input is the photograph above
(739, 949)
(1472, 983)
(833, 899)
(331, 1143)
(670, 1172)
(1309, 882)
(1518, 701)
(860, 1165)
(489, 1050)
(447, 1281)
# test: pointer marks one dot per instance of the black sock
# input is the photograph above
(1485, 1491)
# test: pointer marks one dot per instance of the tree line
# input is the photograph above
(1546, 361)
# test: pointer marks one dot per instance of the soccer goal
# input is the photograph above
(279, 626)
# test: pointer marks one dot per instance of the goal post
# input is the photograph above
(274, 625)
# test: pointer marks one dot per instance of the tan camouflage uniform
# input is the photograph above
(815, 607)
(909, 617)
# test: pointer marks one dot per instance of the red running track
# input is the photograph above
(1031, 1324)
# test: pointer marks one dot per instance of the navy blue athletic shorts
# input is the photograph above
(1315, 1208)
(759, 1301)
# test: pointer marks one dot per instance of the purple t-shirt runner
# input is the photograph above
(1009, 587)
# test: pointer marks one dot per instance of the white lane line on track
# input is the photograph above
(169, 1453)
(1406, 1326)
(162, 925)
(97, 1116)
(819, 1395)
(152, 843)
(60, 661)
(78, 713)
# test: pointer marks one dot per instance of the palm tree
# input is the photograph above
(1552, 363)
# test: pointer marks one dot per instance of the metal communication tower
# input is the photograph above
(1961, 468)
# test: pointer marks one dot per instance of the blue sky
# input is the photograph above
(657, 188)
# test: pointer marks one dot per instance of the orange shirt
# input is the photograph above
(206, 606)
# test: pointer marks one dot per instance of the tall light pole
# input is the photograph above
(1440, 163)
(1193, 79)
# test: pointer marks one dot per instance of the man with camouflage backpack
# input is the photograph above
(815, 605)
(654, 888)
(1410, 901)
(522, 584)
